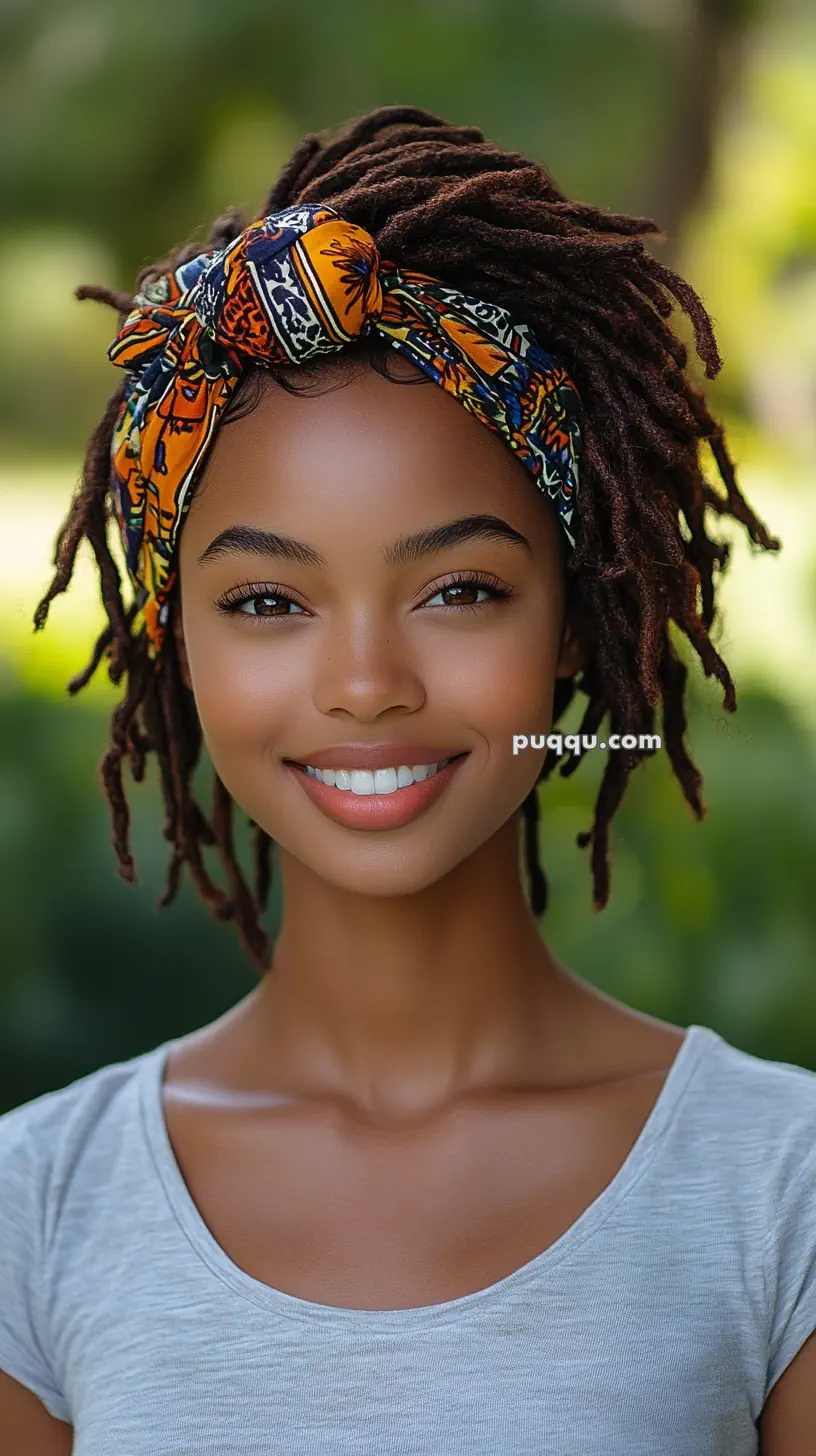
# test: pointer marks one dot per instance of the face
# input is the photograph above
(371, 584)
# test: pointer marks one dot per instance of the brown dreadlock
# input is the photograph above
(442, 200)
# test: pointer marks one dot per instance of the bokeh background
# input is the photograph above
(126, 128)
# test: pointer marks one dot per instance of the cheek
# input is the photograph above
(246, 690)
(502, 683)
(501, 678)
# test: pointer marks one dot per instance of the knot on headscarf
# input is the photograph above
(301, 283)
(294, 285)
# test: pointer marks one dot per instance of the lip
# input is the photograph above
(376, 755)
(375, 811)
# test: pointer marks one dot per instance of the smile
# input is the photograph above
(380, 781)
(381, 798)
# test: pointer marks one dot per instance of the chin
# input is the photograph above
(385, 870)
(379, 875)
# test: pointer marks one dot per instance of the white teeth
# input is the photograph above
(381, 781)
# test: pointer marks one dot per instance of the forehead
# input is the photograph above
(349, 442)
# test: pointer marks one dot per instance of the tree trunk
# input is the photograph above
(707, 73)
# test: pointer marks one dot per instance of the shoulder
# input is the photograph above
(43, 1144)
(78, 1103)
(763, 1111)
(42, 1141)
(737, 1145)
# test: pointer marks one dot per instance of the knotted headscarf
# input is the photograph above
(297, 284)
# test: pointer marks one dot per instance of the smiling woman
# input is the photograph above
(429, 580)
(423, 1186)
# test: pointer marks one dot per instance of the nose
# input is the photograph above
(366, 669)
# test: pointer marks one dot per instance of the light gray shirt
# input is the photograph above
(655, 1326)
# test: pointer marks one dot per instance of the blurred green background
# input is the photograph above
(125, 128)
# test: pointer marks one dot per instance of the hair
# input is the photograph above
(441, 199)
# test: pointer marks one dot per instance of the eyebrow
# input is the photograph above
(453, 533)
(252, 541)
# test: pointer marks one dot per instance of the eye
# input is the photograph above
(259, 602)
(469, 591)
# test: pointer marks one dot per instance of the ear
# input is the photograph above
(573, 654)
(178, 637)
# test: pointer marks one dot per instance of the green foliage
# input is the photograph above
(91, 971)
(711, 921)
(115, 107)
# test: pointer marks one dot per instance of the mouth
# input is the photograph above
(382, 798)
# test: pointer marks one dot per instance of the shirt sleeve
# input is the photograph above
(23, 1343)
(791, 1270)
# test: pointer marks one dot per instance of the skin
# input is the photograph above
(357, 1131)
(366, 661)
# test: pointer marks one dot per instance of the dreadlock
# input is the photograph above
(442, 200)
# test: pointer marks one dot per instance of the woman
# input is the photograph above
(423, 1187)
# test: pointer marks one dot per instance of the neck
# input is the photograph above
(402, 1003)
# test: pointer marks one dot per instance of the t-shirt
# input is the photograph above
(655, 1326)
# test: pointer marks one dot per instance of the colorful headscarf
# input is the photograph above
(295, 285)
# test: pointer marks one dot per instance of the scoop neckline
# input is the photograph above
(292, 1306)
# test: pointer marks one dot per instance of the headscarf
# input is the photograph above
(294, 285)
